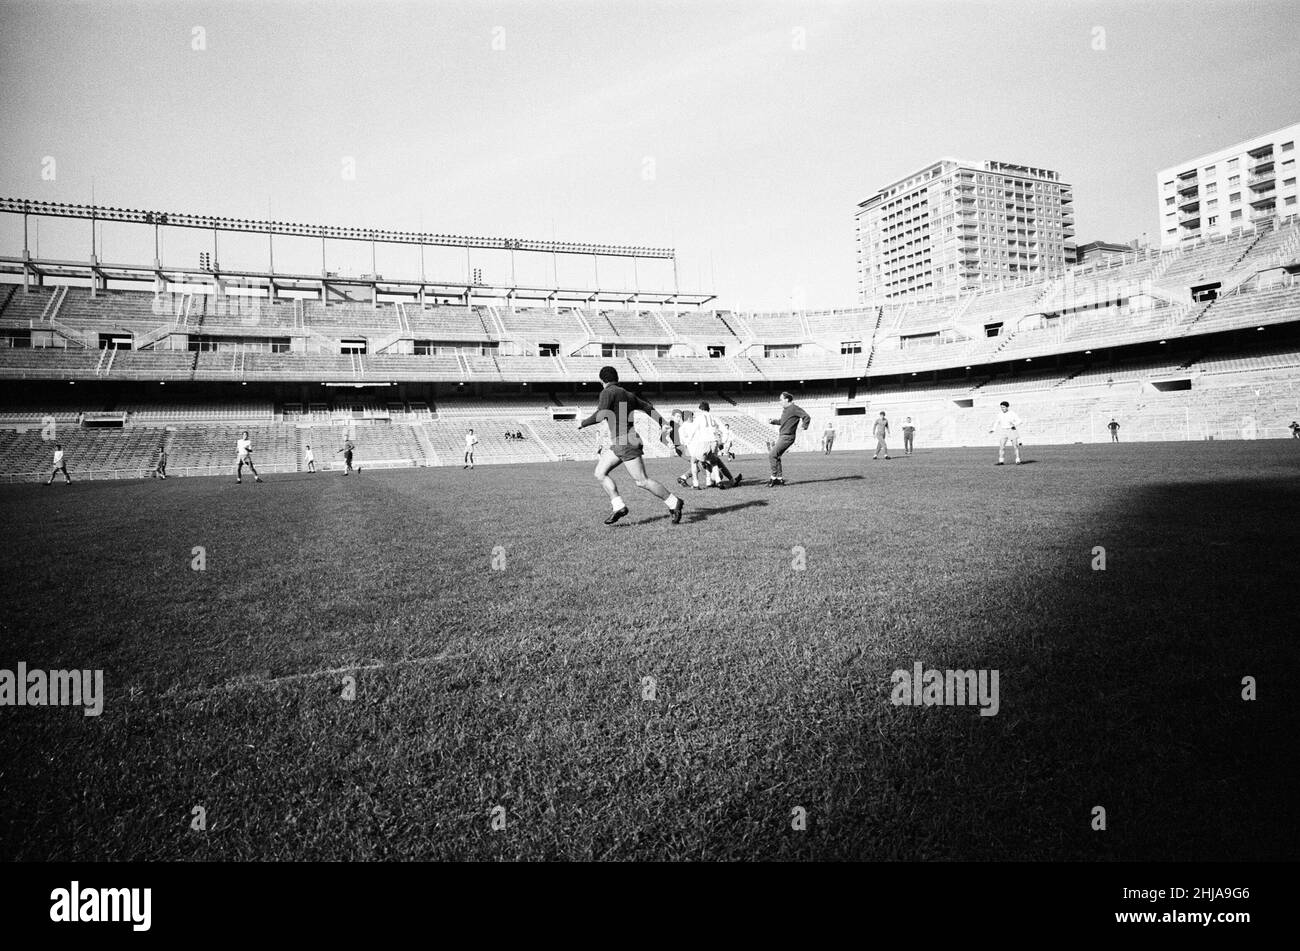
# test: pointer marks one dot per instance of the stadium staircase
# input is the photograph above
(500, 332)
(875, 334)
(426, 445)
(745, 335)
(383, 343)
(50, 317)
(537, 437)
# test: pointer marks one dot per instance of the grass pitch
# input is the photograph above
(500, 636)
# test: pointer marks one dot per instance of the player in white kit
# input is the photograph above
(470, 442)
(244, 457)
(60, 465)
(1006, 429)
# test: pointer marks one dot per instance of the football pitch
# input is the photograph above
(442, 664)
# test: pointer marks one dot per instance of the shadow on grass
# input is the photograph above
(702, 513)
(1120, 688)
(844, 478)
(693, 513)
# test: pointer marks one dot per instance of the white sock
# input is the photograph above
(671, 501)
(616, 503)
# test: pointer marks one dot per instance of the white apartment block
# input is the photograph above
(955, 225)
(1236, 187)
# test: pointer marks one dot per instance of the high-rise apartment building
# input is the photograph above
(955, 225)
(1230, 189)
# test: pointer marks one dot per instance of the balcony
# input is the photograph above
(1269, 198)
(1190, 203)
(1261, 151)
(1190, 223)
(1257, 179)
(1187, 186)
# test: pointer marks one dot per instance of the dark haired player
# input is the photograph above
(787, 428)
(244, 457)
(60, 465)
(1006, 429)
(347, 455)
(615, 407)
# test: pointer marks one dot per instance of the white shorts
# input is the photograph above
(1012, 438)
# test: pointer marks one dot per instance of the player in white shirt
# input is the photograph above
(697, 437)
(244, 457)
(1006, 429)
(470, 442)
(310, 458)
(59, 465)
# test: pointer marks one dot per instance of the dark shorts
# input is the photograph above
(627, 451)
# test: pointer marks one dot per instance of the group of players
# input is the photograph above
(697, 437)
(244, 457)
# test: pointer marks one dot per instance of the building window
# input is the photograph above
(1236, 214)
(1235, 197)
(1211, 188)
(1212, 203)
(1288, 146)
(1232, 163)
(1290, 200)
(1234, 180)
(1210, 170)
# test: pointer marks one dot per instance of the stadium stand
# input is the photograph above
(1086, 344)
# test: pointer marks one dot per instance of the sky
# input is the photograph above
(741, 134)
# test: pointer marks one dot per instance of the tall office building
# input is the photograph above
(955, 225)
(1233, 188)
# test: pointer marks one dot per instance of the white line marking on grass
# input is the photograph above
(326, 672)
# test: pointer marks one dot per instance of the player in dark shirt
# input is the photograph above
(787, 427)
(615, 408)
(1113, 426)
(347, 456)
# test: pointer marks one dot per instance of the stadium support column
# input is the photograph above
(324, 274)
(420, 296)
(159, 285)
(27, 260)
(270, 260)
